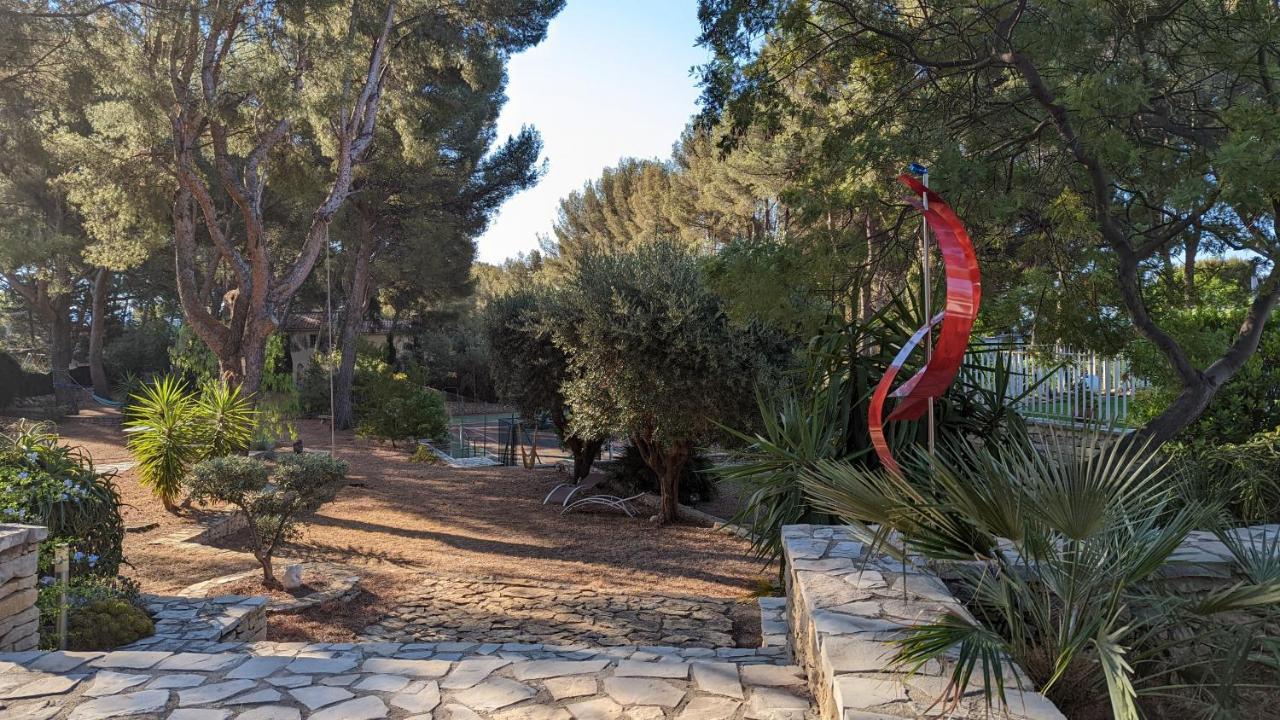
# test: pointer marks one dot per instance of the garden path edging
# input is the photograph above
(845, 605)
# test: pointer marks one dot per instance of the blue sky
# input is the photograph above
(610, 81)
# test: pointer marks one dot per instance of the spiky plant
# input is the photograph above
(1061, 548)
(228, 419)
(165, 435)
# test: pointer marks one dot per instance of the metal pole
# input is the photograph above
(63, 569)
(926, 261)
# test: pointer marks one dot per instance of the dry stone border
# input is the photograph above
(19, 556)
(372, 681)
(844, 606)
(458, 609)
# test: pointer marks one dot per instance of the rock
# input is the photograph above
(364, 708)
(165, 682)
(147, 701)
(533, 712)
(709, 708)
(317, 696)
(416, 668)
(643, 691)
(632, 668)
(107, 682)
(45, 685)
(570, 687)
(63, 661)
(382, 683)
(290, 681)
(772, 675)
(256, 668)
(598, 709)
(199, 714)
(131, 659)
(460, 712)
(775, 704)
(321, 666)
(423, 700)
(292, 579)
(257, 697)
(493, 694)
(719, 678)
(200, 662)
(271, 712)
(538, 669)
(645, 712)
(212, 693)
(471, 671)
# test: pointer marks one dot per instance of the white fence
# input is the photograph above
(1066, 386)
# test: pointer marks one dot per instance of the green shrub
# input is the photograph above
(392, 407)
(1243, 477)
(302, 483)
(102, 613)
(425, 455)
(140, 350)
(106, 624)
(697, 484)
(313, 391)
(44, 482)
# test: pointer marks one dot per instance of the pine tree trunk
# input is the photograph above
(60, 352)
(357, 302)
(98, 331)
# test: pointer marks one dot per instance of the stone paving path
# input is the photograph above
(488, 610)
(370, 681)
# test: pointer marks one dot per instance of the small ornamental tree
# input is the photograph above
(302, 483)
(530, 370)
(653, 357)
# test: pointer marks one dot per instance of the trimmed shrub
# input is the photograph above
(302, 483)
(697, 483)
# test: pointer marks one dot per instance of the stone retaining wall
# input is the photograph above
(844, 606)
(19, 618)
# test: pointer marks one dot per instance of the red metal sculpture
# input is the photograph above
(964, 292)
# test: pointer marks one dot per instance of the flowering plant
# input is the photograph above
(43, 482)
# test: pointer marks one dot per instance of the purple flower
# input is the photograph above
(78, 556)
(93, 560)
(46, 580)
(23, 475)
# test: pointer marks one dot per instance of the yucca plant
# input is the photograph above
(1067, 595)
(228, 419)
(166, 436)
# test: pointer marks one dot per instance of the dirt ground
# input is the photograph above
(397, 520)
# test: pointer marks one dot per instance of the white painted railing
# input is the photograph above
(1064, 385)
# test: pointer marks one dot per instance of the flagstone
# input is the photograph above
(146, 701)
(643, 691)
(418, 700)
(131, 659)
(107, 682)
(493, 694)
(382, 683)
(317, 696)
(719, 678)
(271, 712)
(199, 714)
(44, 685)
(672, 670)
(212, 693)
(200, 662)
(570, 687)
(538, 669)
(471, 671)
(597, 709)
(368, 707)
(256, 668)
(181, 680)
(709, 708)
(416, 668)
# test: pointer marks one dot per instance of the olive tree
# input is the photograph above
(653, 357)
(272, 499)
(530, 370)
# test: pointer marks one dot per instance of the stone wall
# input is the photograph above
(845, 606)
(19, 618)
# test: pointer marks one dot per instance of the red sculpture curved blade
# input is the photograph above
(964, 293)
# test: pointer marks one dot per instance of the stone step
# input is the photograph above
(368, 681)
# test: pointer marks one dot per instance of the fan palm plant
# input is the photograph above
(1060, 548)
(165, 435)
